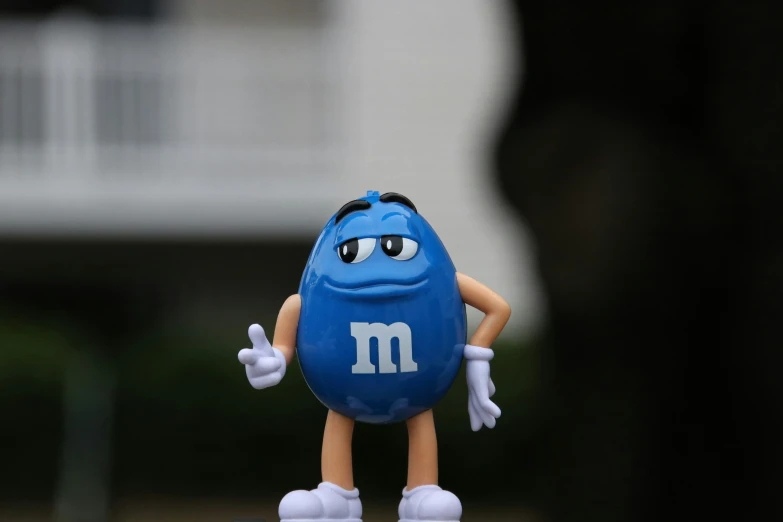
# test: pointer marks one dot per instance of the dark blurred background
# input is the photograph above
(612, 169)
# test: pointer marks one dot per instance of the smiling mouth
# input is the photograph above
(384, 289)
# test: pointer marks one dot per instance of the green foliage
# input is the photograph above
(187, 422)
(32, 361)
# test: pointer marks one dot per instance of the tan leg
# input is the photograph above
(422, 451)
(336, 458)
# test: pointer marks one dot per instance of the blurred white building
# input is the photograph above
(259, 119)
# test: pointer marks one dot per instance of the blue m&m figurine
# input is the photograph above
(380, 329)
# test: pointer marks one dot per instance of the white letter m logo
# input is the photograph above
(363, 332)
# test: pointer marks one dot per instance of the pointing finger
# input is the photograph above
(248, 356)
(257, 336)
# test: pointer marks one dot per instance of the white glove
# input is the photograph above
(480, 388)
(264, 364)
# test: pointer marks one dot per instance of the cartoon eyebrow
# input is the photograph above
(393, 197)
(351, 206)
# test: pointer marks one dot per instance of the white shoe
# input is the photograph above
(429, 504)
(328, 502)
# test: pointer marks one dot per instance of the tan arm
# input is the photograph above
(496, 310)
(287, 324)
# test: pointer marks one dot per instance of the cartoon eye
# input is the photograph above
(399, 248)
(356, 250)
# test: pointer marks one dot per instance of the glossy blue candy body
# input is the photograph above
(420, 292)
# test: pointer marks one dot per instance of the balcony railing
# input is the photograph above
(166, 129)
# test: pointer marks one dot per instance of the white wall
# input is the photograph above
(425, 82)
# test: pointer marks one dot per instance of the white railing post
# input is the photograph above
(69, 72)
(9, 98)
